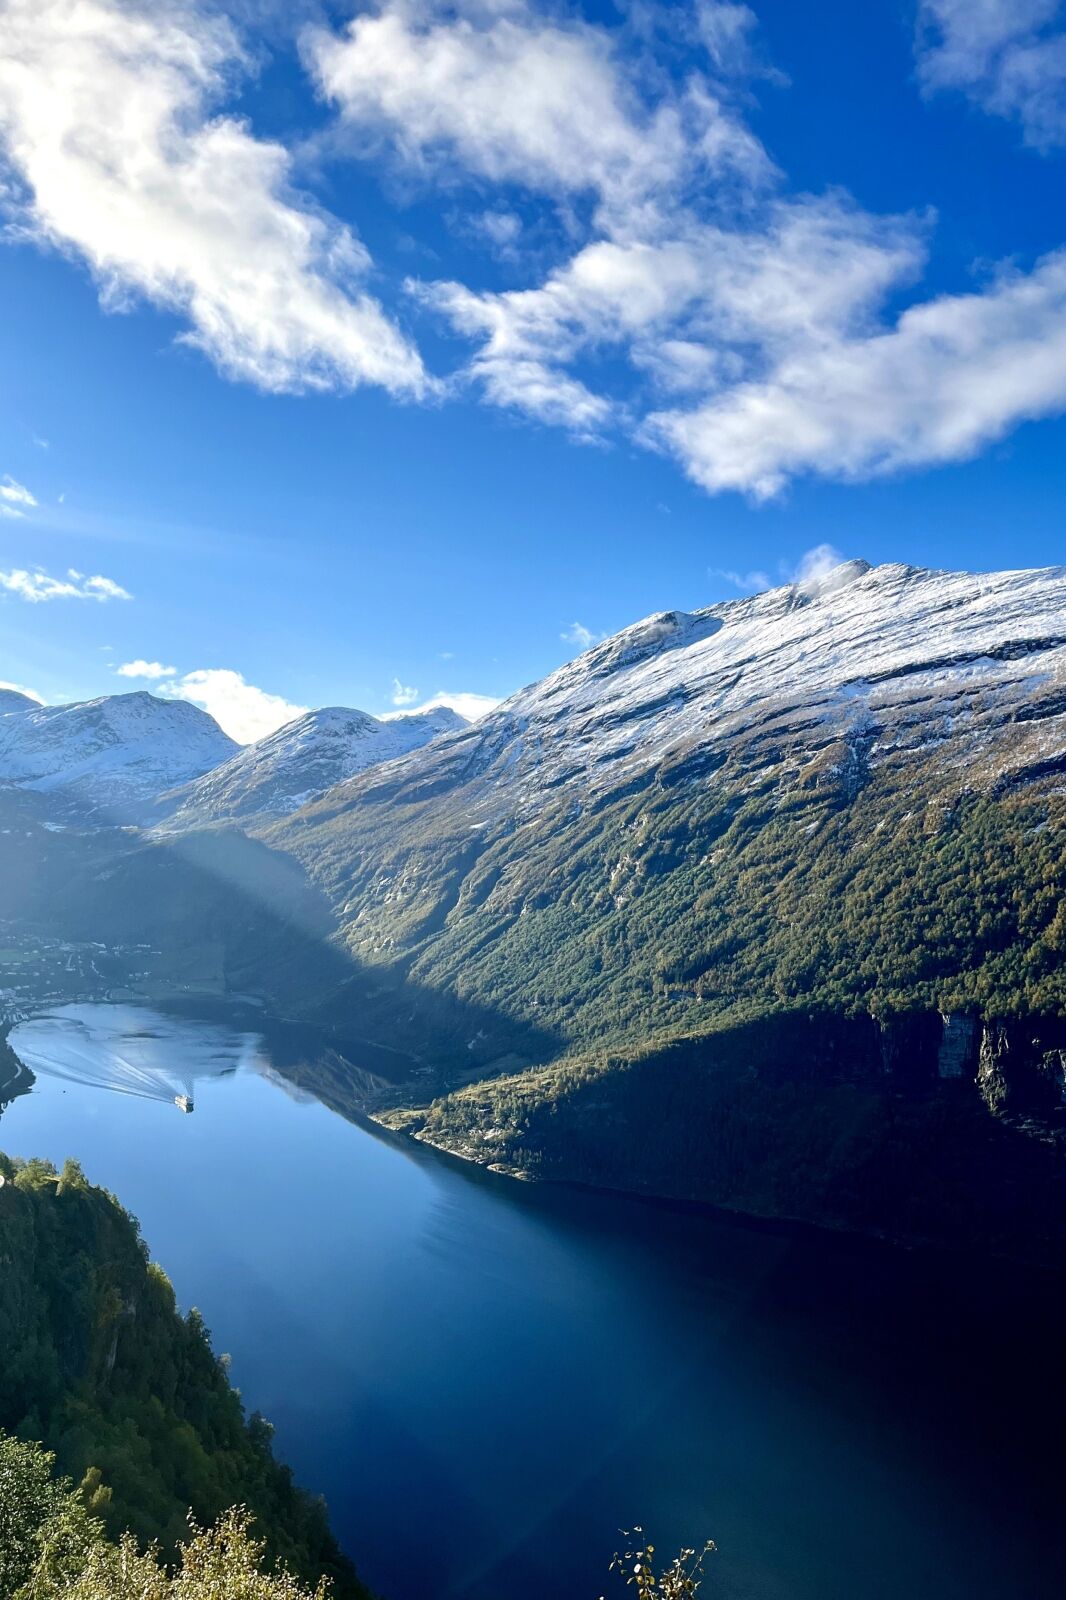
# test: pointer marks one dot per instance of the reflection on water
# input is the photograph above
(487, 1379)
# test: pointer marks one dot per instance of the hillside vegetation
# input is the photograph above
(101, 1368)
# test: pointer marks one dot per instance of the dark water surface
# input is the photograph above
(487, 1380)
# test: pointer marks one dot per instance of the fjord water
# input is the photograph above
(487, 1380)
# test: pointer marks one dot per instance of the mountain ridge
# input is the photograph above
(302, 759)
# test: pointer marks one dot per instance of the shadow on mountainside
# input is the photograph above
(217, 914)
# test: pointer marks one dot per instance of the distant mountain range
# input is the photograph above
(138, 758)
(108, 756)
(763, 904)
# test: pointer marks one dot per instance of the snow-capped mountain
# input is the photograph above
(894, 657)
(15, 700)
(656, 805)
(300, 761)
(109, 756)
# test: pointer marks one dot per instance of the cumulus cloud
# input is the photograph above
(116, 153)
(37, 586)
(145, 669)
(1008, 56)
(577, 634)
(403, 694)
(694, 304)
(469, 705)
(953, 374)
(240, 709)
(516, 95)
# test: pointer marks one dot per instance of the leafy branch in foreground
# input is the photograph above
(52, 1548)
(682, 1577)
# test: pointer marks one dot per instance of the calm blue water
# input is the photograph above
(488, 1380)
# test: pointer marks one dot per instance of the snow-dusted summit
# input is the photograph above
(15, 700)
(300, 761)
(878, 680)
(109, 756)
(902, 657)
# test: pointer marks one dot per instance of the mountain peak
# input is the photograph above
(829, 580)
(111, 754)
(301, 760)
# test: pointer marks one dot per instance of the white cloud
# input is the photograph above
(145, 669)
(747, 582)
(816, 563)
(952, 374)
(577, 634)
(503, 229)
(240, 709)
(13, 493)
(38, 586)
(116, 153)
(694, 305)
(515, 95)
(471, 706)
(1009, 56)
(20, 688)
(403, 694)
(695, 309)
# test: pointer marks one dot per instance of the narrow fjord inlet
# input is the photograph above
(512, 1371)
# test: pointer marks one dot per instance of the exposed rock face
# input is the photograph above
(1022, 1069)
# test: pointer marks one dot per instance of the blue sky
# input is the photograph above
(373, 353)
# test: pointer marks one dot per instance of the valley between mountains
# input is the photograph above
(762, 906)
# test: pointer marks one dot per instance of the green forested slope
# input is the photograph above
(99, 1365)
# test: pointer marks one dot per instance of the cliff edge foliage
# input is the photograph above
(100, 1366)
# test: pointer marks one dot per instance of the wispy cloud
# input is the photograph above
(577, 634)
(403, 694)
(1008, 56)
(243, 711)
(746, 582)
(15, 494)
(150, 670)
(169, 200)
(38, 586)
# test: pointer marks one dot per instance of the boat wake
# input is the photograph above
(128, 1050)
